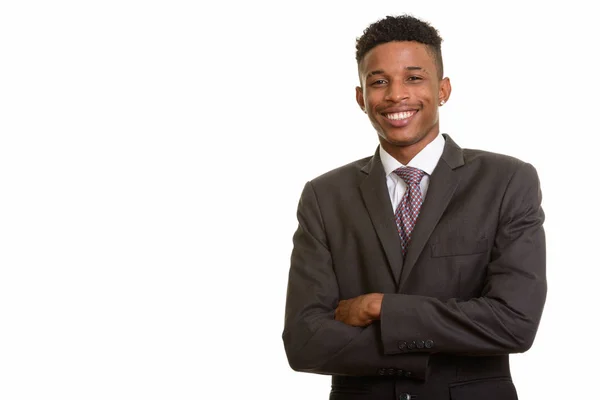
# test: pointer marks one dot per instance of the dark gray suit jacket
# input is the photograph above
(470, 291)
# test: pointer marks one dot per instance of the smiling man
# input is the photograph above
(416, 271)
(400, 90)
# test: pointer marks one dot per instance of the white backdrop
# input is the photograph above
(152, 155)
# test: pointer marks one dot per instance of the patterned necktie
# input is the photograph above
(410, 205)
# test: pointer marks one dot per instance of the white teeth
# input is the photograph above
(400, 115)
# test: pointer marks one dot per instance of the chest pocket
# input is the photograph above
(458, 246)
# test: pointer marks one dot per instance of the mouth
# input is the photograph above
(399, 119)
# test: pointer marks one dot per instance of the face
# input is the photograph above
(400, 92)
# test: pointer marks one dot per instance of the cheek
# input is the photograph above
(431, 94)
(372, 102)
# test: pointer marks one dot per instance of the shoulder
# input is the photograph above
(335, 185)
(482, 158)
(487, 162)
(344, 174)
(500, 171)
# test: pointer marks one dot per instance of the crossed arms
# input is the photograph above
(328, 335)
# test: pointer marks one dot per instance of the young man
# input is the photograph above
(417, 271)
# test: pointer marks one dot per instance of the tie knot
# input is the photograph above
(410, 175)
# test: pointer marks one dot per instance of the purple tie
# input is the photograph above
(410, 205)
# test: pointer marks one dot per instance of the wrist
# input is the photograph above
(374, 305)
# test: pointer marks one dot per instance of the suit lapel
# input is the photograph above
(442, 185)
(377, 200)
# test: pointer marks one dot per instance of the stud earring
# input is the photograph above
(442, 102)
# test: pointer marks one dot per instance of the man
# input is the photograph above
(417, 271)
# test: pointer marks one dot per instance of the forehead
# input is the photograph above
(398, 55)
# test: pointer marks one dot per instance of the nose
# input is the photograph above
(396, 92)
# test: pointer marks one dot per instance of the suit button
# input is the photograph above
(404, 396)
(408, 374)
(402, 345)
(391, 371)
(381, 371)
(429, 344)
(412, 345)
(420, 344)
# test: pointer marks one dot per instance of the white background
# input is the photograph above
(152, 155)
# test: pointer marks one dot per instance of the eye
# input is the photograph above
(414, 78)
(378, 82)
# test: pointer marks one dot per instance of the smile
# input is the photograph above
(399, 115)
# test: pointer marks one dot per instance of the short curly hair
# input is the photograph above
(401, 28)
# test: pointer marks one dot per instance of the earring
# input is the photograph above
(442, 102)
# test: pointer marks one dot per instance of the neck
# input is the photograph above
(404, 153)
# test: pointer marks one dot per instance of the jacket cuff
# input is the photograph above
(399, 317)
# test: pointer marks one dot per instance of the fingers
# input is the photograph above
(351, 312)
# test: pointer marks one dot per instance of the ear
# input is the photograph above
(360, 99)
(445, 90)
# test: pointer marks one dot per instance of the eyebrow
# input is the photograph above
(381, 72)
(376, 72)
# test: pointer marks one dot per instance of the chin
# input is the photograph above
(401, 139)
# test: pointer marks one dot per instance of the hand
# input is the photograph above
(361, 310)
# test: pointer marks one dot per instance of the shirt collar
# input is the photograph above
(425, 160)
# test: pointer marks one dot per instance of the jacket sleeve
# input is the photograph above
(506, 317)
(314, 341)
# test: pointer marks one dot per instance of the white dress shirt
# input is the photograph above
(425, 160)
